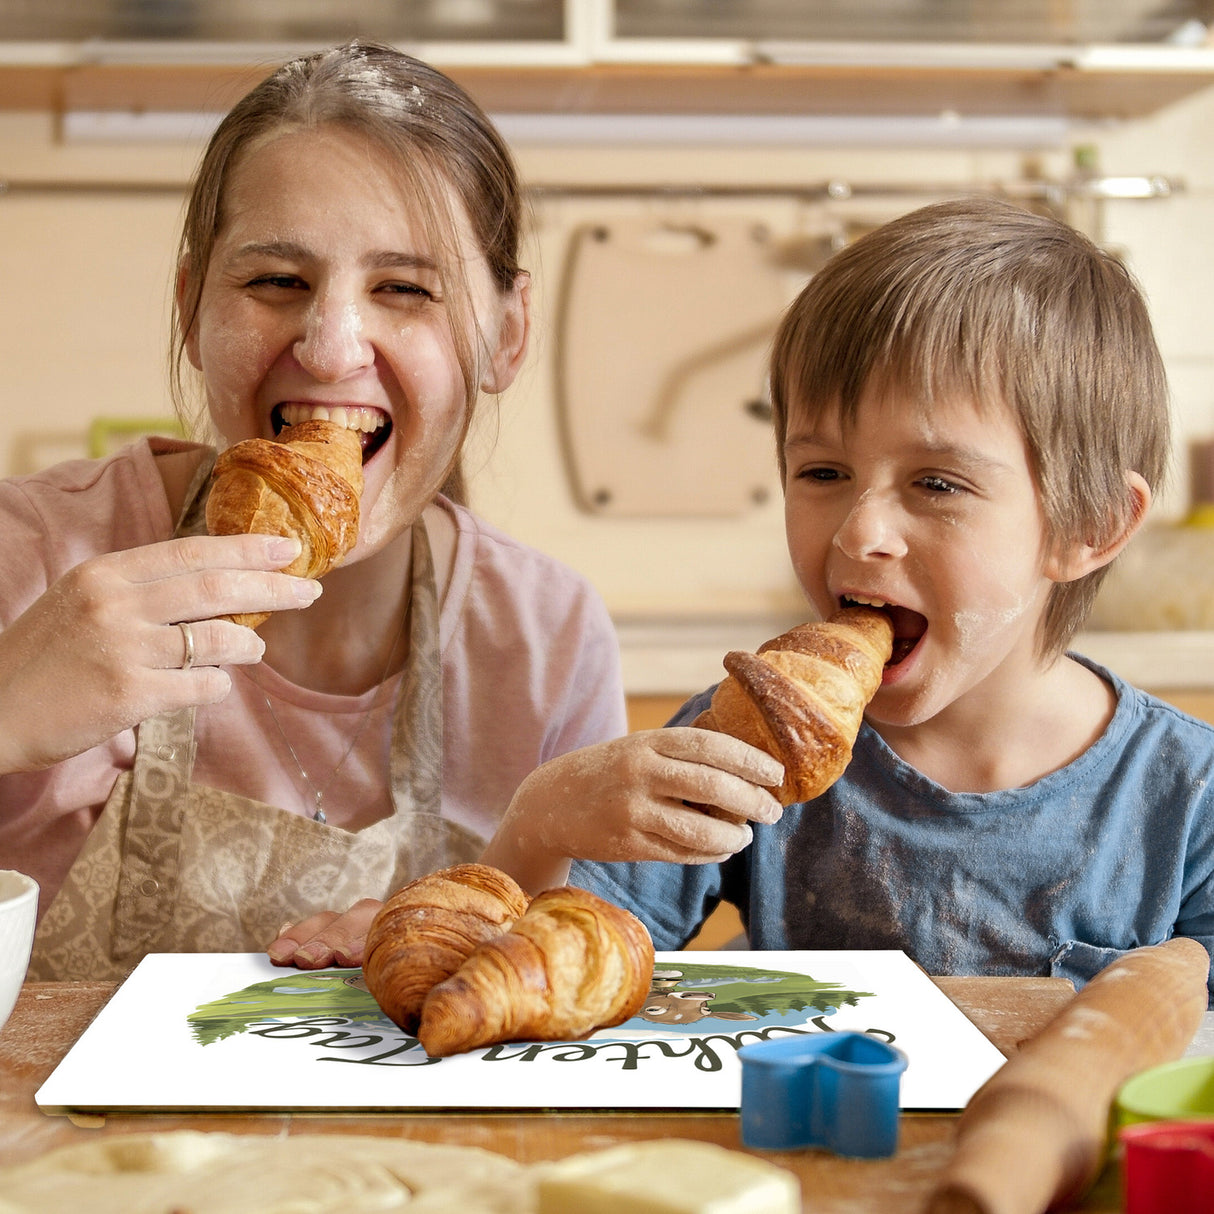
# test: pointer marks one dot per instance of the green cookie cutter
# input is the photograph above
(1176, 1091)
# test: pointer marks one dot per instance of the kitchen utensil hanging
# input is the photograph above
(663, 335)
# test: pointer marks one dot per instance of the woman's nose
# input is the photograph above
(333, 343)
(870, 529)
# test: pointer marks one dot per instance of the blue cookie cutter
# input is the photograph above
(832, 1090)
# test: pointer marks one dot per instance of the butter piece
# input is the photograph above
(666, 1176)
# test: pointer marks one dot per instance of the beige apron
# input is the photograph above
(171, 866)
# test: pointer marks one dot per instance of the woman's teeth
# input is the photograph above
(349, 417)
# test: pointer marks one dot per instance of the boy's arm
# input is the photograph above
(682, 795)
(672, 900)
(1197, 922)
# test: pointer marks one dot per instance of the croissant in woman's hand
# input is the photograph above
(802, 697)
(427, 929)
(572, 964)
(308, 486)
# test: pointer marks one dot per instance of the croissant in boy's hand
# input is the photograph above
(308, 486)
(801, 698)
(567, 964)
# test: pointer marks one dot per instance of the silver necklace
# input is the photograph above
(318, 793)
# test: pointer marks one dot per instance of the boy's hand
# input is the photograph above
(683, 795)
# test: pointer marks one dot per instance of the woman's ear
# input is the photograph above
(190, 343)
(513, 334)
(1073, 561)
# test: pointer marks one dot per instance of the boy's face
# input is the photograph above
(934, 512)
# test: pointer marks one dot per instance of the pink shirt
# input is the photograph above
(529, 655)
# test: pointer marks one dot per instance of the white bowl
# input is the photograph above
(18, 910)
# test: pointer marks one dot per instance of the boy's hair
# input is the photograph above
(980, 300)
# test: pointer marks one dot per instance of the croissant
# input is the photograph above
(424, 932)
(308, 485)
(572, 964)
(802, 697)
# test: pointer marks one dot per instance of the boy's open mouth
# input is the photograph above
(373, 425)
(909, 626)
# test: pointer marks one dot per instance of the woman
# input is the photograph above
(178, 782)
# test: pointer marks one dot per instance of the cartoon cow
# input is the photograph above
(668, 1005)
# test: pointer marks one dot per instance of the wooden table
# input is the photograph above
(49, 1017)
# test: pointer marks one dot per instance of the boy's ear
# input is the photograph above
(514, 329)
(1072, 561)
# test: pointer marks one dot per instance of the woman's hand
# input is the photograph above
(684, 795)
(102, 649)
(327, 938)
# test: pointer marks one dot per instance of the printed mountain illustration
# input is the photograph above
(334, 992)
(681, 994)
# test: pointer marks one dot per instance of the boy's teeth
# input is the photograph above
(863, 601)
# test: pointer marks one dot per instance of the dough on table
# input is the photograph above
(666, 1176)
(196, 1172)
(193, 1172)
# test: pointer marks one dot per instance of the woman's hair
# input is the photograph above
(442, 141)
(982, 301)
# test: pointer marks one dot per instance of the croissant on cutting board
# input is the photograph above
(461, 959)
(572, 964)
(801, 698)
(426, 930)
(307, 485)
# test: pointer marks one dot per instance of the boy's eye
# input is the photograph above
(819, 474)
(938, 484)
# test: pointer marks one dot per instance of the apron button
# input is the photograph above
(165, 752)
(148, 886)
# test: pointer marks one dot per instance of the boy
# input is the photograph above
(971, 419)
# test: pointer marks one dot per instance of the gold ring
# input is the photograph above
(187, 635)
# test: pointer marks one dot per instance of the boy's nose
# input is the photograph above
(333, 343)
(870, 529)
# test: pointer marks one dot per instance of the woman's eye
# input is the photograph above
(282, 281)
(410, 289)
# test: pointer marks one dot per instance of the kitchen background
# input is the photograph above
(691, 162)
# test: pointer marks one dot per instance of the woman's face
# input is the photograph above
(322, 298)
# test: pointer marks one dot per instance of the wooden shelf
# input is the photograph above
(845, 90)
(1068, 91)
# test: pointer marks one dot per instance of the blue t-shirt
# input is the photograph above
(1059, 878)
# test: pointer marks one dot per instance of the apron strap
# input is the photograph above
(193, 518)
(417, 729)
(151, 849)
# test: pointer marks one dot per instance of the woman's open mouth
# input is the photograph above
(909, 626)
(373, 425)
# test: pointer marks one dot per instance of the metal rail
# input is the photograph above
(1033, 189)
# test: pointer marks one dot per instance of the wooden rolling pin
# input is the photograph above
(1034, 1136)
